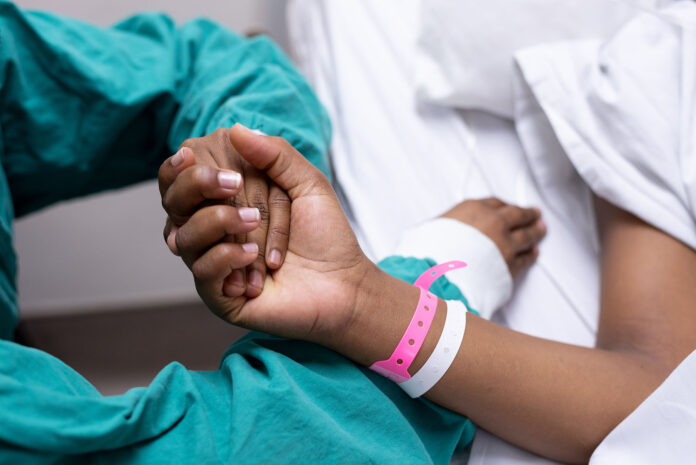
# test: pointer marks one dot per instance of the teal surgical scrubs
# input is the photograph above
(84, 109)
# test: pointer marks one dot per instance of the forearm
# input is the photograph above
(554, 399)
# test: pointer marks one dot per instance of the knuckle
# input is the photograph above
(259, 200)
(263, 212)
(223, 215)
(280, 200)
(201, 174)
(277, 232)
(162, 172)
(221, 132)
(191, 142)
(227, 251)
(182, 241)
(499, 222)
(528, 236)
(167, 201)
(491, 202)
(537, 233)
(277, 140)
(200, 270)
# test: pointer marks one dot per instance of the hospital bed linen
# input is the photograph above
(399, 162)
(465, 49)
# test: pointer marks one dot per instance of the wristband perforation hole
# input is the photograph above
(399, 361)
(427, 309)
(411, 342)
(420, 323)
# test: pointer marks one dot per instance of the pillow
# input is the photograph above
(465, 48)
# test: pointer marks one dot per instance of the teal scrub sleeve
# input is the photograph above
(271, 401)
(86, 108)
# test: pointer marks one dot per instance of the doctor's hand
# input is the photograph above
(313, 294)
(208, 171)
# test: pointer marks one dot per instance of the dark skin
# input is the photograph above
(554, 399)
(209, 172)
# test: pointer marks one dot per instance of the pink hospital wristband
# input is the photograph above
(396, 367)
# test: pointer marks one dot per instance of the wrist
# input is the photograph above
(383, 309)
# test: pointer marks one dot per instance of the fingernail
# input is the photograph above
(236, 278)
(255, 279)
(537, 211)
(274, 257)
(229, 179)
(249, 215)
(250, 247)
(542, 225)
(178, 157)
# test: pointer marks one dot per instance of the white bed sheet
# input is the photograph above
(397, 164)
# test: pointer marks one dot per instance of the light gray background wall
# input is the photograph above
(106, 252)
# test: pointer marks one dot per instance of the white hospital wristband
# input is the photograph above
(445, 351)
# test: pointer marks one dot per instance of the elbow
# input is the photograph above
(644, 372)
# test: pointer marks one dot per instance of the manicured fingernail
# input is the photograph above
(255, 279)
(274, 257)
(249, 215)
(236, 278)
(229, 179)
(250, 247)
(178, 157)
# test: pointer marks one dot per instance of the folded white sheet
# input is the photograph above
(624, 113)
(465, 47)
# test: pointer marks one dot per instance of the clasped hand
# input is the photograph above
(263, 233)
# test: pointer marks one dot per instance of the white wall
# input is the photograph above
(106, 252)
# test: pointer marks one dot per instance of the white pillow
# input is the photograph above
(465, 48)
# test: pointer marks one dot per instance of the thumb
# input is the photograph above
(280, 161)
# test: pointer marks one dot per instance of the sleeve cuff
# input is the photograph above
(486, 281)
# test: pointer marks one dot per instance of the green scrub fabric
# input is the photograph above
(85, 109)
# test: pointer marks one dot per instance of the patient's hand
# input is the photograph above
(208, 171)
(515, 231)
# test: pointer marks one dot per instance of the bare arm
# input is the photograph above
(555, 399)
